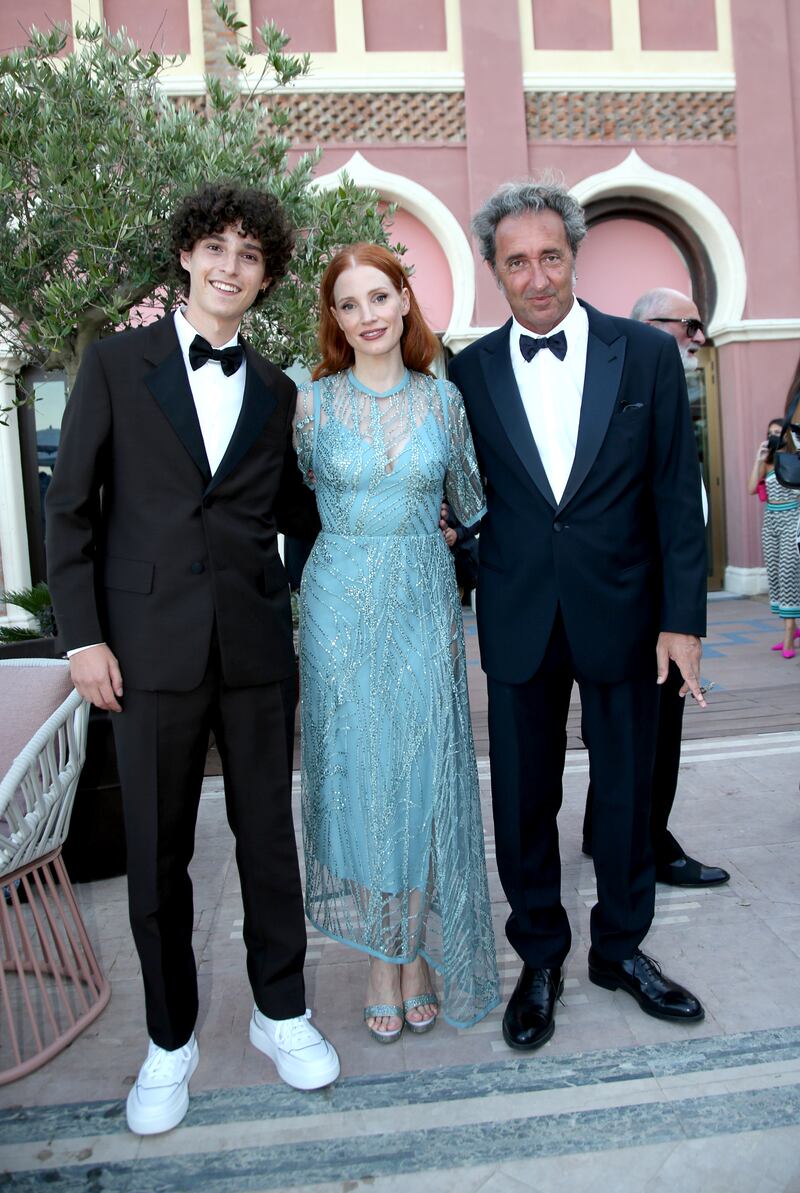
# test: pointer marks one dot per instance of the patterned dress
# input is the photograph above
(779, 542)
(391, 813)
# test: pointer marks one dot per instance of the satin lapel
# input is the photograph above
(258, 404)
(501, 383)
(600, 388)
(169, 385)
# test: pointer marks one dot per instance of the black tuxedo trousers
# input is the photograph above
(528, 740)
(162, 742)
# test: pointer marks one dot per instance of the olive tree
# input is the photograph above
(94, 157)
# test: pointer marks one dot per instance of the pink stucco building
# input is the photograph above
(676, 124)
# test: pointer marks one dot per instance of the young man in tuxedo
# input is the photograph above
(591, 569)
(678, 315)
(175, 472)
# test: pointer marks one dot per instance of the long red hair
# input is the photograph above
(418, 344)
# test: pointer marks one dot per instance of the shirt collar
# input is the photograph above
(186, 333)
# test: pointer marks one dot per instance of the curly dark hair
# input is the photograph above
(215, 207)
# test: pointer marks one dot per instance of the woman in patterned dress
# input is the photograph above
(391, 814)
(779, 539)
(792, 441)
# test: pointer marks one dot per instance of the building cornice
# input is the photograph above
(324, 83)
(190, 84)
(585, 81)
(745, 331)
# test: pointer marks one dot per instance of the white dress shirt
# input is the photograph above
(552, 392)
(217, 398)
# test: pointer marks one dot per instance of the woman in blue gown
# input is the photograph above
(391, 815)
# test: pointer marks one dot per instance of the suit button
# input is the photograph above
(207, 503)
(558, 527)
(197, 568)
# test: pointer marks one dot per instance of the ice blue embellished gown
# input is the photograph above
(391, 814)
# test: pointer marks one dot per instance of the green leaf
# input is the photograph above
(93, 159)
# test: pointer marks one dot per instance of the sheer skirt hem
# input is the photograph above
(436, 966)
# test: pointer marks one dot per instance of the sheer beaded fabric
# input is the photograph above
(391, 814)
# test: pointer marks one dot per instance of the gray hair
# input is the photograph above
(518, 198)
(656, 302)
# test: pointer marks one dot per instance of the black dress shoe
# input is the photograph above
(685, 871)
(529, 1020)
(641, 977)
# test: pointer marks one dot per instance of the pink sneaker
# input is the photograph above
(787, 654)
(777, 646)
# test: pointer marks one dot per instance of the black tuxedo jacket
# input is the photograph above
(623, 552)
(147, 550)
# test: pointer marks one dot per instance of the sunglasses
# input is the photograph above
(692, 325)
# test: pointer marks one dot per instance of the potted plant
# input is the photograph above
(29, 641)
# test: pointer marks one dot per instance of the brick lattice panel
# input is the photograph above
(370, 116)
(630, 116)
(399, 117)
(438, 116)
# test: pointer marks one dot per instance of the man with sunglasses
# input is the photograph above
(677, 314)
(673, 312)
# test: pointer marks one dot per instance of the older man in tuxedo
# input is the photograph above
(174, 473)
(592, 569)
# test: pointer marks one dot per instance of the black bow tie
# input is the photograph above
(557, 344)
(229, 358)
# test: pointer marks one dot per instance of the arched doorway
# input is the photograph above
(634, 245)
(655, 246)
(431, 215)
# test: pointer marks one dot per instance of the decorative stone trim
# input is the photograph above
(630, 116)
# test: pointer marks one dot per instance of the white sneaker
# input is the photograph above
(302, 1055)
(160, 1097)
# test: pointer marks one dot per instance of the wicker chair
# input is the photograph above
(51, 986)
